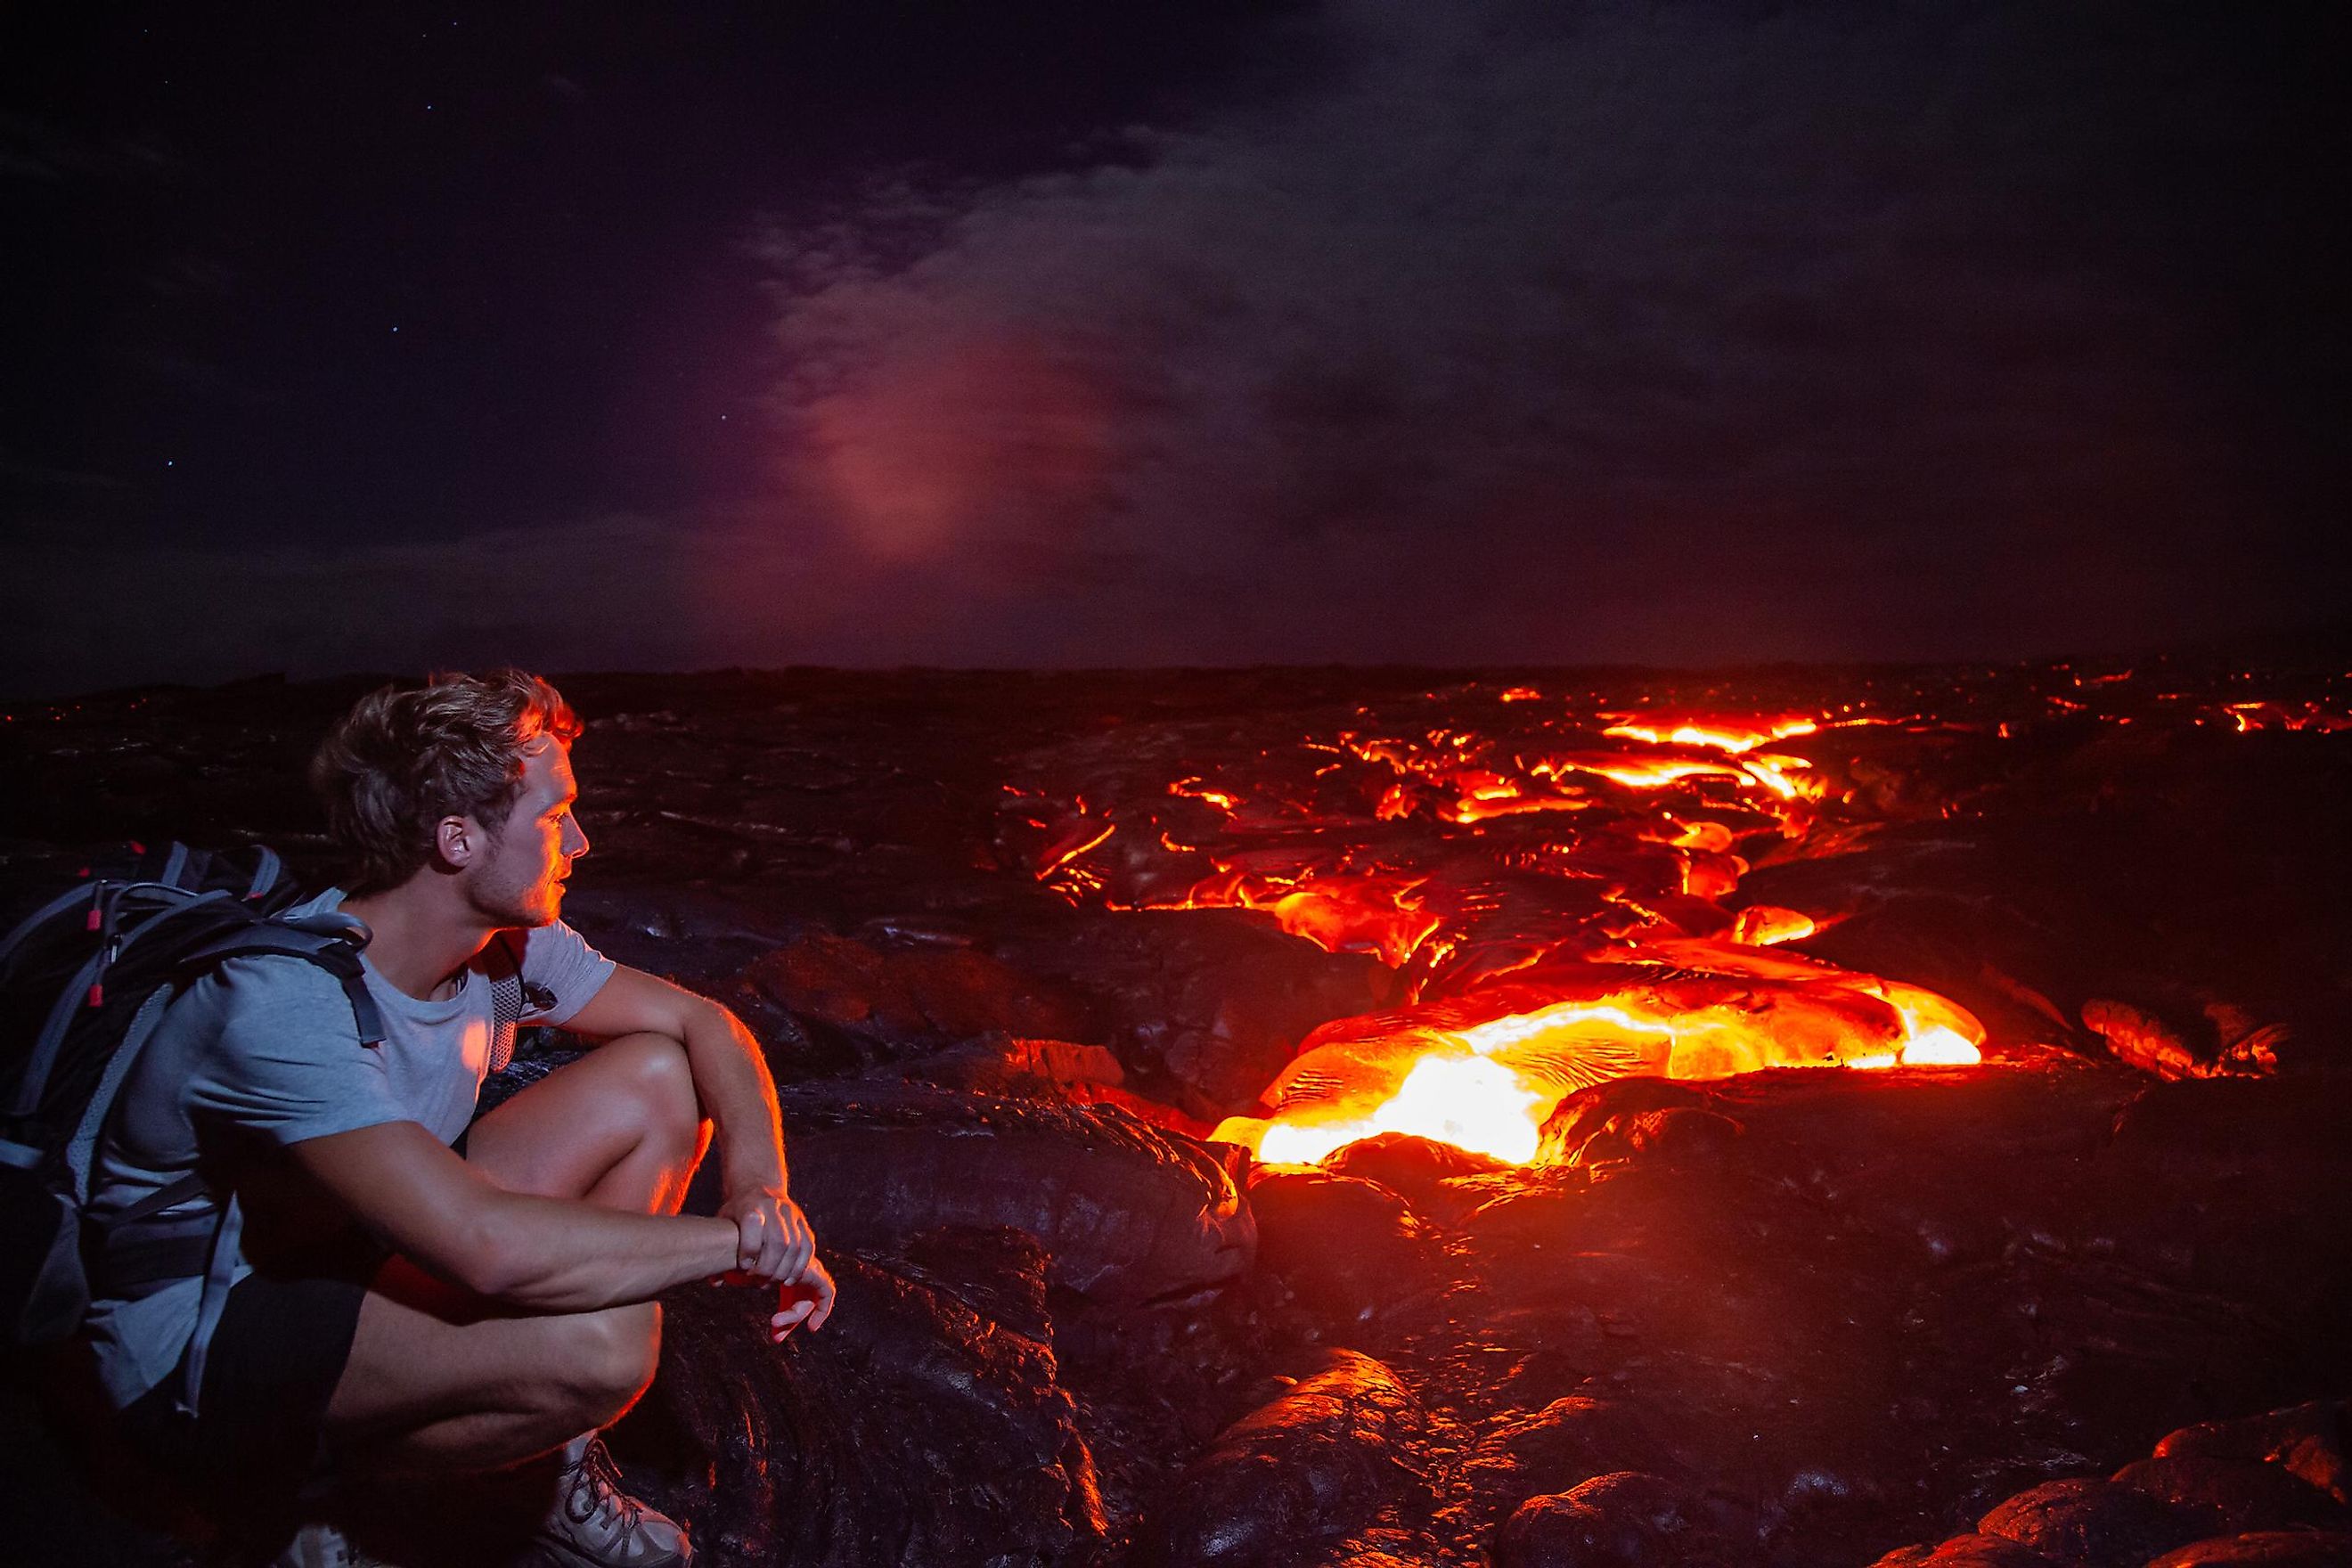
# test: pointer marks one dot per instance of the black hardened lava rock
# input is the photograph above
(1314, 1466)
(1970, 1552)
(1622, 1520)
(2311, 1442)
(915, 1427)
(2251, 1490)
(1831, 1312)
(2264, 1548)
(1127, 1212)
(1203, 1005)
(1351, 1248)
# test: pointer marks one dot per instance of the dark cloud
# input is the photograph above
(1495, 331)
(1553, 332)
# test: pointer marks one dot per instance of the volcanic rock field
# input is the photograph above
(1296, 1119)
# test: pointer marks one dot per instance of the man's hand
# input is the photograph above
(775, 1243)
(806, 1299)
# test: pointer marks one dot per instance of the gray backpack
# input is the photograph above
(84, 979)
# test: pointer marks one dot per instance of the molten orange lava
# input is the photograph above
(1472, 1102)
(1725, 735)
(1490, 1085)
(1374, 914)
(1197, 791)
(1618, 958)
(1767, 925)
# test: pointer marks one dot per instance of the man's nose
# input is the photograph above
(576, 837)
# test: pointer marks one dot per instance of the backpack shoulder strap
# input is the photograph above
(332, 940)
(504, 960)
(81, 893)
(81, 1150)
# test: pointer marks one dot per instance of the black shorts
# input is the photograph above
(283, 1339)
(275, 1356)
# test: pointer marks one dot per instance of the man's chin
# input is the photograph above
(525, 917)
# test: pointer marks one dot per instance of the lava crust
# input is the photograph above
(1786, 1116)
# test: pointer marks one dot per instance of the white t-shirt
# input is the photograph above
(265, 1052)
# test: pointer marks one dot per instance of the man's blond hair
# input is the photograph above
(404, 759)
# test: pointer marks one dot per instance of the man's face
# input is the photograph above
(520, 880)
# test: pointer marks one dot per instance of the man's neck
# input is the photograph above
(424, 934)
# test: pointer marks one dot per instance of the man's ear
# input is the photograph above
(459, 839)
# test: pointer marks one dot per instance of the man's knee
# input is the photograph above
(660, 1082)
(606, 1360)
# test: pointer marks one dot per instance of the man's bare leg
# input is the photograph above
(439, 1379)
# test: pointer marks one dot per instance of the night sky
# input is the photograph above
(1080, 333)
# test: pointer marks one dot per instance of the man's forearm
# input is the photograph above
(730, 1077)
(558, 1255)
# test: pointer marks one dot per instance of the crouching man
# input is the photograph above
(411, 1296)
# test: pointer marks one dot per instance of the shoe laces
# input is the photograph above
(320, 1545)
(325, 1546)
(597, 1493)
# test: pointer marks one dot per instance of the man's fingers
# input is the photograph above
(777, 1242)
(800, 1238)
(806, 1300)
(820, 1283)
(785, 1321)
(775, 1247)
(751, 1232)
(773, 1242)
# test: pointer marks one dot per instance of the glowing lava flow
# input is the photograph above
(1376, 915)
(1734, 735)
(1488, 1086)
(1469, 1101)
(1403, 847)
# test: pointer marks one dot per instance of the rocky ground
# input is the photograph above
(2033, 1311)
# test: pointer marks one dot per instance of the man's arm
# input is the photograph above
(418, 1196)
(732, 1079)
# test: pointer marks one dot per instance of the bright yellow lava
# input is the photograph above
(1472, 1102)
(1488, 1086)
(1673, 1006)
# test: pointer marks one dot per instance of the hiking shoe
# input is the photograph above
(320, 1545)
(596, 1524)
